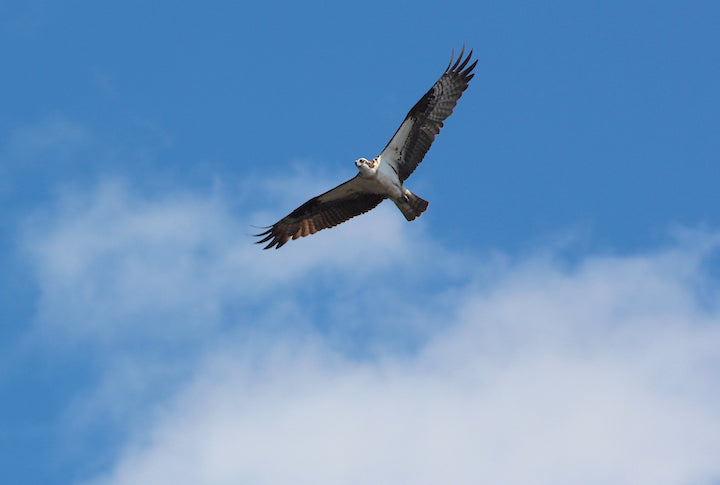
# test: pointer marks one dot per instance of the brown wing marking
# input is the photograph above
(322, 212)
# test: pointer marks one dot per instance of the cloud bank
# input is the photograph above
(371, 355)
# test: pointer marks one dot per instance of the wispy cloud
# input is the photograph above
(367, 354)
(47, 137)
(25, 18)
(108, 259)
(546, 376)
(33, 153)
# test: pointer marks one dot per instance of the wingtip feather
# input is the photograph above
(464, 63)
(452, 57)
(276, 243)
(459, 64)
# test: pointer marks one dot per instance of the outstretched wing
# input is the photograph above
(412, 140)
(335, 206)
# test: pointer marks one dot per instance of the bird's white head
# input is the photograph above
(367, 167)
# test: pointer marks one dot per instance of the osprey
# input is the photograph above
(382, 177)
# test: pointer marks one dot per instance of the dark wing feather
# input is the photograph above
(335, 206)
(413, 139)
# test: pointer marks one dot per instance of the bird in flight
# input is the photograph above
(382, 177)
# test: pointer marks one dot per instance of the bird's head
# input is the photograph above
(366, 167)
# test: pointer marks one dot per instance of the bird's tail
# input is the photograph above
(411, 205)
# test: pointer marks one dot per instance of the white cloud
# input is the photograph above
(52, 138)
(113, 264)
(539, 371)
(35, 152)
(607, 373)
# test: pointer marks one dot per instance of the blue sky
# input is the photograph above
(553, 316)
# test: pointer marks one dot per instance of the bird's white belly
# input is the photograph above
(387, 181)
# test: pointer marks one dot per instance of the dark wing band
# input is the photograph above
(411, 143)
(327, 210)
